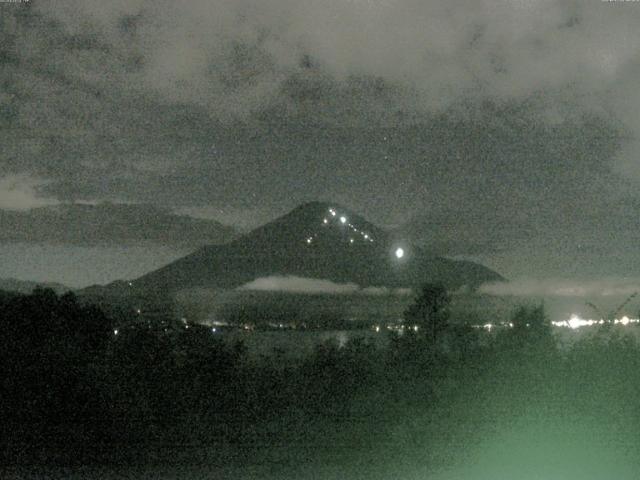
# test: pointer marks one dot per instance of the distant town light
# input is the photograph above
(399, 252)
(575, 322)
(343, 219)
(325, 221)
(115, 332)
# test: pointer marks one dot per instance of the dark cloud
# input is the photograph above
(109, 225)
(490, 124)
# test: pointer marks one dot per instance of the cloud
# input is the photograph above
(499, 120)
(20, 192)
(108, 224)
(241, 218)
(563, 288)
(293, 284)
(238, 55)
(386, 291)
(349, 62)
(81, 266)
(341, 62)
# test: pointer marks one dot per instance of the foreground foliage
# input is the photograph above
(75, 391)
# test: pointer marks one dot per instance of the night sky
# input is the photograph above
(502, 131)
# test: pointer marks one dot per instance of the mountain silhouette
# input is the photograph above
(315, 240)
(107, 224)
(27, 287)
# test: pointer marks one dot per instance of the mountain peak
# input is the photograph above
(318, 240)
(317, 224)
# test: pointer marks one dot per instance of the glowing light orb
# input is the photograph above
(325, 221)
(343, 219)
(366, 236)
(576, 322)
(399, 252)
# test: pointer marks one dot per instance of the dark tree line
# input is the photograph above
(74, 390)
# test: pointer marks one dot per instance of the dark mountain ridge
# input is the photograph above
(26, 287)
(108, 224)
(315, 240)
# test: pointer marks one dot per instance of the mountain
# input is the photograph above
(21, 286)
(110, 224)
(316, 240)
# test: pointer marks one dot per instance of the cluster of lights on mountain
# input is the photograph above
(342, 220)
(574, 322)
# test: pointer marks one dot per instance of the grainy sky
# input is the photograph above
(506, 130)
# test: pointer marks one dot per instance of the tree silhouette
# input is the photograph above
(430, 311)
(530, 321)
(48, 345)
(530, 332)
